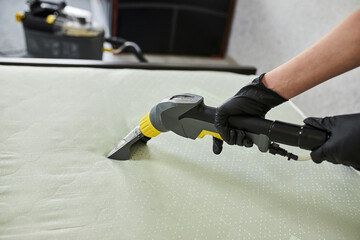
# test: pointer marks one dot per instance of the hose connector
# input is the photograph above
(147, 128)
(274, 148)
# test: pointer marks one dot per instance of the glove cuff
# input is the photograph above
(256, 90)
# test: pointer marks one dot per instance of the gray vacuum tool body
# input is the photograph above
(188, 116)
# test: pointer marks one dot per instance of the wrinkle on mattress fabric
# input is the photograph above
(58, 124)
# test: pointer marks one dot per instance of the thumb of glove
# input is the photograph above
(318, 154)
(320, 123)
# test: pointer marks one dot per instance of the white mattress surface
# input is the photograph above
(58, 124)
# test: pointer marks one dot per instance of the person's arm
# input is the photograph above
(334, 54)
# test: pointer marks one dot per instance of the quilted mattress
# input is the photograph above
(58, 124)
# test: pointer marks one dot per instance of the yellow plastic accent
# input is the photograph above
(107, 50)
(50, 19)
(205, 132)
(19, 16)
(147, 128)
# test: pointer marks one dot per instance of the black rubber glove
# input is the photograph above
(343, 146)
(254, 100)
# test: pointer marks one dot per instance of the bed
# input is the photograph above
(58, 124)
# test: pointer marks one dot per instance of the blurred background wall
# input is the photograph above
(268, 33)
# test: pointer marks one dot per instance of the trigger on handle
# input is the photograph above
(264, 144)
(260, 140)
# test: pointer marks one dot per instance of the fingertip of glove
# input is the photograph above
(313, 121)
(217, 146)
(232, 137)
(248, 143)
(316, 156)
(240, 135)
(308, 121)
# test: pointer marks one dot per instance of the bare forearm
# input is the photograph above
(334, 54)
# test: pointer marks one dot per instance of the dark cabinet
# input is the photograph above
(182, 27)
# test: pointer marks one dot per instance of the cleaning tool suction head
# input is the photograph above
(122, 150)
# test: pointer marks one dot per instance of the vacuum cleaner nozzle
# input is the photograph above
(188, 116)
(122, 150)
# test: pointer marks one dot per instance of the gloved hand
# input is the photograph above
(343, 146)
(255, 100)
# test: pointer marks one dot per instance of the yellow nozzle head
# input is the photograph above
(19, 16)
(147, 128)
(50, 19)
